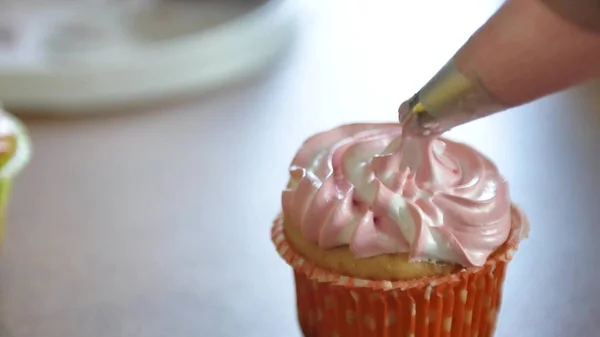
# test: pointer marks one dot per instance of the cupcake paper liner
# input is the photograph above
(5, 185)
(462, 304)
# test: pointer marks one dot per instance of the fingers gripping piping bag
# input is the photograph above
(14, 155)
(396, 236)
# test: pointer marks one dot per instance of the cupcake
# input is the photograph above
(14, 154)
(396, 236)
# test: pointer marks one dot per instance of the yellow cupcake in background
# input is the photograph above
(15, 151)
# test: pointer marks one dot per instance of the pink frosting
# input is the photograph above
(366, 186)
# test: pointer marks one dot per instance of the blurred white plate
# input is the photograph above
(71, 59)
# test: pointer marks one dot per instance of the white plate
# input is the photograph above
(69, 59)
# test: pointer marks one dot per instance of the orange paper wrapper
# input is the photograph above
(463, 304)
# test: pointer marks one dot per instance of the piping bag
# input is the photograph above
(526, 50)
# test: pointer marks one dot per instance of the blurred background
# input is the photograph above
(162, 134)
(63, 56)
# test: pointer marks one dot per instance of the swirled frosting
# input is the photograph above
(366, 186)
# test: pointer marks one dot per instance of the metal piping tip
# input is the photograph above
(449, 99)
(413, 117)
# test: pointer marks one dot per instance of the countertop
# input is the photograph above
(156, 223)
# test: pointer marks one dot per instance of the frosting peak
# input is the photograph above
(366, 186)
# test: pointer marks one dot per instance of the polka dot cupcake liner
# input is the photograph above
(462, 304)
